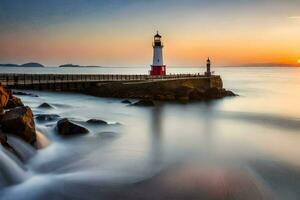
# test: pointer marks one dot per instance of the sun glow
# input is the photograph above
(298, 61)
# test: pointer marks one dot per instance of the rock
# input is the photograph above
(45, 105)
(182, 93)
(183, 99)
(24, 94)
(230, 93)
(7, 146)
(213, 93)
(2, 112)
(5, 94)
(196, 95)
(144, 102)
(19, 121)
(66, 128)
(14, 102)
(126, 101)
(46, 117)
(96, 122)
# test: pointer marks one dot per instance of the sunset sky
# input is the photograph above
(119, 32)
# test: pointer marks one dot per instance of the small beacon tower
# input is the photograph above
(208, 64)
(158, 68)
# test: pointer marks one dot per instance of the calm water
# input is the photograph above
(245, 147)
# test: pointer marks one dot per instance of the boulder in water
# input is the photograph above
(14, 102)
(126, 101)
(45, 105)
(144, 102)
(66, 127)
(24, 94)
(96, 122)
(19, 121)
(46, 117)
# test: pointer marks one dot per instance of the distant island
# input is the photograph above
(31, 64)
(72, 65)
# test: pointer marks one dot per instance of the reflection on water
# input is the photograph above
(237, 148)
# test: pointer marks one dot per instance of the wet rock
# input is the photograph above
(96, 122)
(230, 93)
(7, 146)
(46, 117)
(5, 94)
(196, 95)
(126, 101)
(19, 121)
(14, 102)
(66, 127)
(215, 93)
(144, 102)
(24, 94)
(45, 105)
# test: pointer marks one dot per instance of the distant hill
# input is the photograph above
(32, 64)
(9, 65)
(72, 65)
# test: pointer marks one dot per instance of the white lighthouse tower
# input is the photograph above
(158, 68)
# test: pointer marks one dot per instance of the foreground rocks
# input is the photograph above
(5, 95)
(14, 102)
(15, 119)
(19, 121)
(67, 128)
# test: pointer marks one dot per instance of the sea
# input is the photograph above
(242, 148)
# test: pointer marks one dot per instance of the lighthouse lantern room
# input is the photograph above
(158, 68)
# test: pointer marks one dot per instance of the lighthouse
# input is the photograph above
(208, 64)
(158, 68)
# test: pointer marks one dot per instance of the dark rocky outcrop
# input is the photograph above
(5, 95)
(24, 94)
(19, 121)
(45, 105)
(189, 89)
(96, 122)
(144, 102)
(46, 117)
(126, 101)
(14, 102)
(215, 93)
(67, 128)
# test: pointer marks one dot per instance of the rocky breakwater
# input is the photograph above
(15, 119)
(190, 89)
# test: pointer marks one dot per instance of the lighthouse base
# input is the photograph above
(158, 70)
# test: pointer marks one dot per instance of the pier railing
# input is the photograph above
(10, 79)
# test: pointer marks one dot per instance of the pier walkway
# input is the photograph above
(49, 81)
